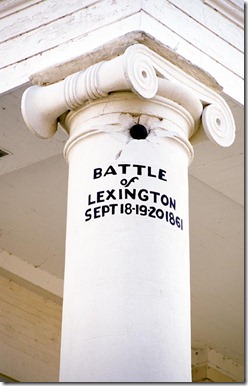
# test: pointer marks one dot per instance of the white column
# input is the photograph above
(126, 309)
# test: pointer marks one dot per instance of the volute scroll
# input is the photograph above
(141, 71)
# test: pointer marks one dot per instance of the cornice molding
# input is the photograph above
(141, 71)
(231, 10)
(33, 278)
(7, 7)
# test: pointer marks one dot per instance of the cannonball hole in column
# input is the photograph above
(138, 132)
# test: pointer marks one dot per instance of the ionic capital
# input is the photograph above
(146, 74)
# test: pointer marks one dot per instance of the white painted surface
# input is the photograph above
(8, 7)
(191, 31)
(232, 85)
(71, 26)
(146, 74)
(217, 271)
(24, 148)
(207, 17)
(126, 310)
(75, 30)
(43, 221)
(31, 277)
(232, 9)
(33, 14)
(39, 211)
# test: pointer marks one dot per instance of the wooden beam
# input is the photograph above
(30, 277)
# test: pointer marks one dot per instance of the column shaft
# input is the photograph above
(126, 310)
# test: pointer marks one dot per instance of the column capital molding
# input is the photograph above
(118, 112)
(141, 71)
